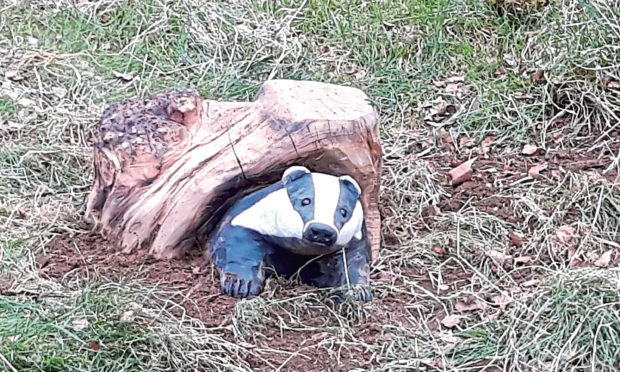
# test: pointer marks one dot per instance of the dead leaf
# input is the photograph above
(529, 149)
(538, 75)
(449, 337)
(500, 70)
(498, 257)
(577, 263)
(501, 301)
(558, 137)
(534, 172)
(604, 260)
(530, 283)
(487, 141)
(515, 239)
(360, 74)
(127, 316)
(451, 320)
(196, 270)
(556, 174)
(571, 252)
(94, 345)
(565, 234)
(524, 259)
(467, 141)
(124, 76)
(79, 324)
(438, 250)
(452, 88)
(462, 173)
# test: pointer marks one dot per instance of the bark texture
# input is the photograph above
(167, 168)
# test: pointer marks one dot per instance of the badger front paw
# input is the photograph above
(356, 292)
(236, 286)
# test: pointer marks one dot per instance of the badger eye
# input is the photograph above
(343, 212)
(306, 201)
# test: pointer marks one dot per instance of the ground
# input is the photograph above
(500, 196)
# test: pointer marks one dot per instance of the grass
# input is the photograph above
(546, 76)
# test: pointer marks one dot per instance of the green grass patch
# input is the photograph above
(7, 109)
(571, 322)
(88, 336)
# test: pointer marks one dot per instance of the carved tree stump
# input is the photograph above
(166, 169)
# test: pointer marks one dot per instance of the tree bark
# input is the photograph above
(168, 168)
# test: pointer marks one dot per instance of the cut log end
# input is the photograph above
(167, 168)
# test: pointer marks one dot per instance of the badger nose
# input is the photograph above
(320, 233)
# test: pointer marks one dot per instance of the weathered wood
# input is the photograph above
(167, 168)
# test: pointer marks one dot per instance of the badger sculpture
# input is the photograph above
(308, 225)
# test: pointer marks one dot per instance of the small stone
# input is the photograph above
(462, 173)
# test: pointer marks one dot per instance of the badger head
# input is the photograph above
(328, 206)
(315, 213)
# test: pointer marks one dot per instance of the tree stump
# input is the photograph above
(168, 168)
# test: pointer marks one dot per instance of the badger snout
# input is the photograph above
(321, 234)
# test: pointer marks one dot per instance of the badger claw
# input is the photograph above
(235, 286)
(356, 292)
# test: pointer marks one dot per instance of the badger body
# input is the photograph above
(309, 224)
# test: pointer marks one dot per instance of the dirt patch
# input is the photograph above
(499, 172)
(197, 285)
(303, 344)
(91, 255)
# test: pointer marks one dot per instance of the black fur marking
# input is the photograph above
(302, 188)
(347, 200)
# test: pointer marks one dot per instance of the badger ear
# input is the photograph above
(349, 183)
(293, 173)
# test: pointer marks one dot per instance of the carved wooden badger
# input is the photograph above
(299, 224)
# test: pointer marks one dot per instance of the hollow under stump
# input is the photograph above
(167, 168)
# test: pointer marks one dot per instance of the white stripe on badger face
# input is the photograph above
(326, 195)
(352, 227)
(273, 215)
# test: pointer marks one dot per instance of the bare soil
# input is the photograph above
(197, 285)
